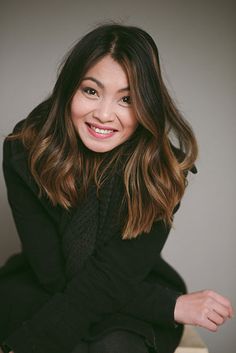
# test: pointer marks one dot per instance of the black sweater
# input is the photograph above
(95, 280)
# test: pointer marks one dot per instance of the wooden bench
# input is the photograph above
(190, 343)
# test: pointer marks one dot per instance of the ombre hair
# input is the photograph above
(154, 168)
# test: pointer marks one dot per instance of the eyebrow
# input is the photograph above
(101, 85)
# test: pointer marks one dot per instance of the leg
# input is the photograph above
(168, 338)
(119, 341)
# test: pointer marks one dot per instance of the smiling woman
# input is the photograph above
(102, 115)
(94, 180)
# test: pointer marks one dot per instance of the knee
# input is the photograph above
(119, 342)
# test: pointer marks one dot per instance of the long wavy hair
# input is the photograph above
(154, 168)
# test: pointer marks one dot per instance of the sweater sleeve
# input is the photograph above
(41, 248)
(106, 283)
(155, 304)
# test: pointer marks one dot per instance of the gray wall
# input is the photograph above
(197, 45)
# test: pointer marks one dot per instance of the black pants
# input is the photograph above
(121, 341)
(115, 342)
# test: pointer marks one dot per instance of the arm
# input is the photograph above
(37, 232)
(107, 282)
(155, 304)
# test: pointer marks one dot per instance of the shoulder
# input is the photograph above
(15, 157)
(14, 148)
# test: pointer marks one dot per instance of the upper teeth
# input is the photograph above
(101, 131)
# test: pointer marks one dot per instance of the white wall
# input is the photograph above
(196, 40)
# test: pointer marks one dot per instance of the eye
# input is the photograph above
(90, 91)
(126, 100)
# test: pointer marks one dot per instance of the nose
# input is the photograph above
(104, 111)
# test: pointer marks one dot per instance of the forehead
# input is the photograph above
(108, 71)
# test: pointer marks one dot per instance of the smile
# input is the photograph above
(100, 133)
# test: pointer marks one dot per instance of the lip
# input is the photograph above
(103, 127)
(97, 135)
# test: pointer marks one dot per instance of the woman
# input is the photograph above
(93, 181)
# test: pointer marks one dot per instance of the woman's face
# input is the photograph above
(101, 109)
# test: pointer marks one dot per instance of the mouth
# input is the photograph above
(100, 132)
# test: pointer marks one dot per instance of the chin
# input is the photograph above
(102, 150)
(99, 149)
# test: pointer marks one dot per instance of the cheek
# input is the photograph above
(79, 108)
(131, 124)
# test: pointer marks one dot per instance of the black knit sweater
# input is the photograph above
(95, 281)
